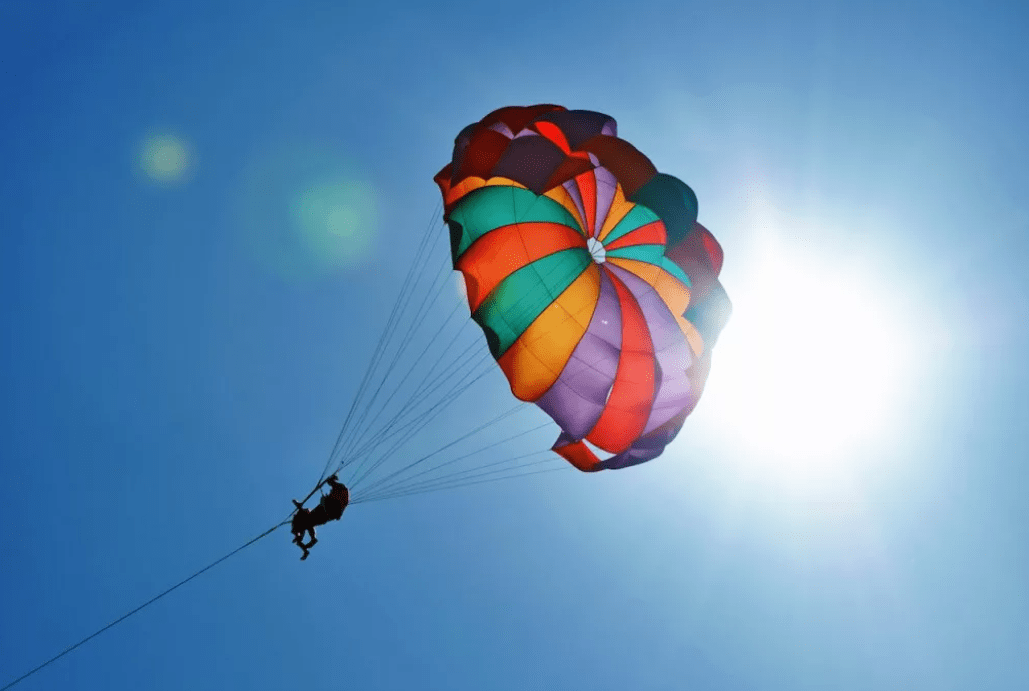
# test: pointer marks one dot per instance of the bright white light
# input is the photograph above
(459, 285)
(812, 365)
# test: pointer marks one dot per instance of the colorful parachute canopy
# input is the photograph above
(587, 270)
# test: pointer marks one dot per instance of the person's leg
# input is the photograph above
(300, 524)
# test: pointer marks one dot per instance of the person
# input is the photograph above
(330, 508)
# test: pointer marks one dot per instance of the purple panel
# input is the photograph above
(573, 191)
(578, 397)
(502, 128)
(647, 447)
(606, 184)
(632, 456)
(464, 138)
(673, 353)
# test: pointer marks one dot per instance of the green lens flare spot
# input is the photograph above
(165, 158)
(336, 220)
(304, 212)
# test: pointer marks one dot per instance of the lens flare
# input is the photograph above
(302, 212)
(165, 158)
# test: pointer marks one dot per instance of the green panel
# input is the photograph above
(672, 200)
(521, 297)
(495, 206)
(637, 217)
(652, 254)
(674, 269)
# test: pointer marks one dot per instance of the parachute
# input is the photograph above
(594, 284)
(596, 289)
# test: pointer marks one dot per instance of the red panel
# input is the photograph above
(651, 234)
(579, 455)
(482, 153)
(569, 168)
(632, 395)
(714, 250)
(554, 134)
(587, 185)
(517, 117)
(502, 251)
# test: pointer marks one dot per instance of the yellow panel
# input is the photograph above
(562, 197)
(507, 182)
(672, 292)
(473, 183)
(535, 361)
(694, 338)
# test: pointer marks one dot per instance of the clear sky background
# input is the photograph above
(181, 338)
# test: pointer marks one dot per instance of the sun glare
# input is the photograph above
(812, 364)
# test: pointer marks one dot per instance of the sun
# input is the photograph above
(812, 365)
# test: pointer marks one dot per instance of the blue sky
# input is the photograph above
(844, 510)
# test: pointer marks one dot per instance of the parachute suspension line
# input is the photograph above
(566, 467)
(414, 398)
(478, 429)
(414, 276)
(454, 476)
(463, 475)
(457, 387)
(495, 475)
(390, 322)
(408, 417)
(415, 422)
(405, 341)
(419, 424)
(425, 386)
(386, 342)
(143, 606)
(424, 418)
(384, 336)
(384, 485)
(420, 389)
(428, 417)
